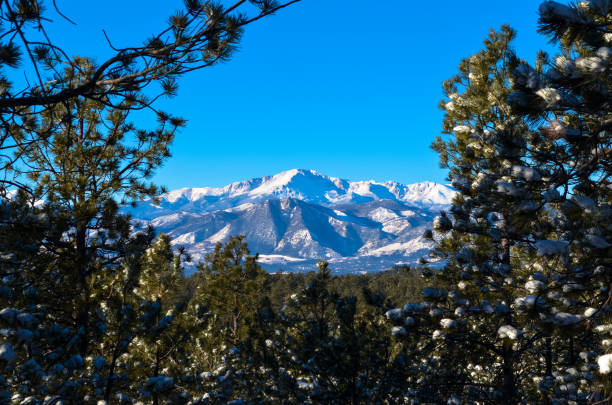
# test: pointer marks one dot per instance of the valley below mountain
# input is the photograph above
(297, 217)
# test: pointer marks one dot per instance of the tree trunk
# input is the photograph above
(111, 373)
(509, 383)
(548, 356)
(83, 287)
(508, 374)
(155, 374)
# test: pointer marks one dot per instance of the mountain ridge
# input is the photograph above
(303, 184)
(296, 217)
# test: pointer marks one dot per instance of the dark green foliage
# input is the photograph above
(95, 308)
(397, 285)
(302, 336)
(318, 348)
(74, 269)
(231, 284)
(519, 309)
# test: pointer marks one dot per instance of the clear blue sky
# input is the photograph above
(349, 88)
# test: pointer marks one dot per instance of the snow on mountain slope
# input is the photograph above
(305, 185)
(296, 217)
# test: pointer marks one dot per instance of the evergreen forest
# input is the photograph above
(512, 305)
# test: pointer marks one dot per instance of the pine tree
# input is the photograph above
(232, 284)
(318, 349)
(526, 243)
(574, 106)
(229, 288)
(160, 353)
(58, 273)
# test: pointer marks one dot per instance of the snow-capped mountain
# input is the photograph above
(297, 217)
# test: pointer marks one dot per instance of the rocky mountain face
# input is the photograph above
(297, 217)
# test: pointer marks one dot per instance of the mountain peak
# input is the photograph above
(297, 183)
(301, 184)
